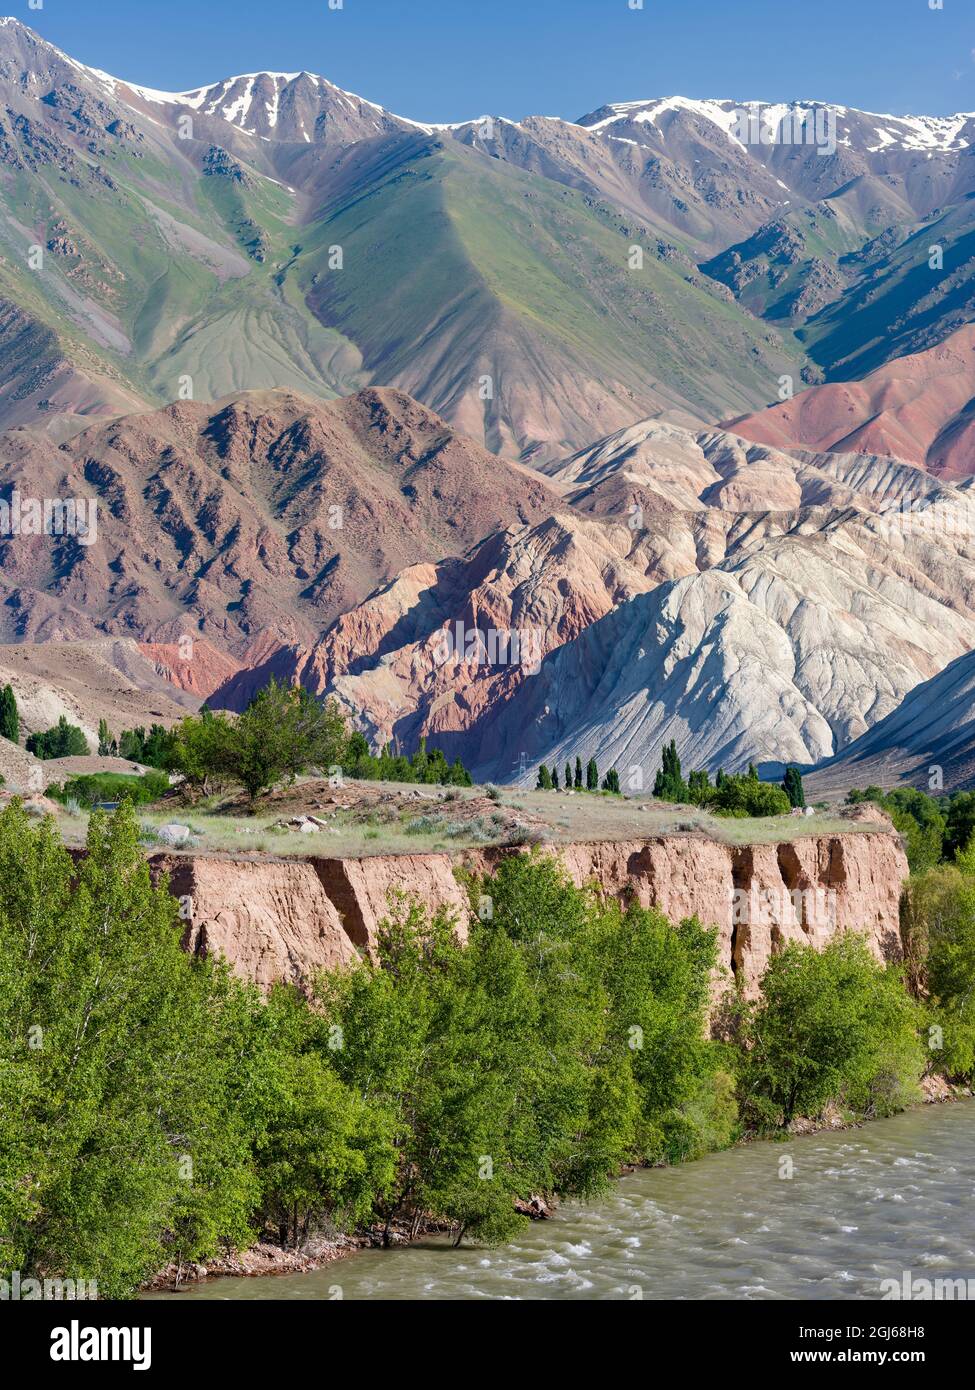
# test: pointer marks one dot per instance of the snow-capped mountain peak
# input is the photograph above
(870, 131)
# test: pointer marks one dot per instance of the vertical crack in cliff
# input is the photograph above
(796, 883)
(334, 878)
(742, 873)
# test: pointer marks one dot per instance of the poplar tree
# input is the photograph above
(9, 717)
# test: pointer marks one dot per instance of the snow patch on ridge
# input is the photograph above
(914, 133)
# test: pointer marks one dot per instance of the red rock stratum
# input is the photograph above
(919, 408)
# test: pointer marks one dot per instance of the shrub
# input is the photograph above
(939, 943)
(919, 818)
(707, 1122)
(63, 741)
(747, 796)
(92, 788)
(425, 825)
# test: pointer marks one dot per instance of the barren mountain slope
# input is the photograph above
(786, 654)
(266, 513)
(928, 741)
(107, 678)
(919, 408)
(845, 593)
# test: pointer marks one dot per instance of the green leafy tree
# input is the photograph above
(792, 786)
(63, 741)
(356, 751)
(435, 1077)
(699, 789)
(921, 821)
(427, 765)
(745, 796)
(458, 775)
(938, 933)
(544, 782)
(9, 717)
(960, 825)
(554, 774)
(322, 1152)
(831, 1025)
(202, 749)
(153, 749)
(115, 1124)
(619, 1008)
(592, 776)
(611, 782)
(567, 783)
(669, 784)
(578, 774)
(283, 732)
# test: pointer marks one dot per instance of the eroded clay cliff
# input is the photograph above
(288, 919)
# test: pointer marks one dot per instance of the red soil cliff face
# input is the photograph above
(288, 919)
(272, 921)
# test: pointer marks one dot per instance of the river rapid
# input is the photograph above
(825, 1216)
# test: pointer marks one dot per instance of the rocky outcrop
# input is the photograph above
(287, 919)
(783, 654)
(267, 514)
(686, 587)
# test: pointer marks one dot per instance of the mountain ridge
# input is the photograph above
(551, 280)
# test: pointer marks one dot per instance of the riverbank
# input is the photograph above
(260, 1261)
(266, 1259)
(849, 1210)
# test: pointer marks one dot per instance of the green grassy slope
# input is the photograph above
(444, 247)
(144, 286)
(897, 303)
(456, 265)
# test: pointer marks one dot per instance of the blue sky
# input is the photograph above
(443, 60)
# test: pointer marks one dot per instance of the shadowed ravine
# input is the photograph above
(863, 1206)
